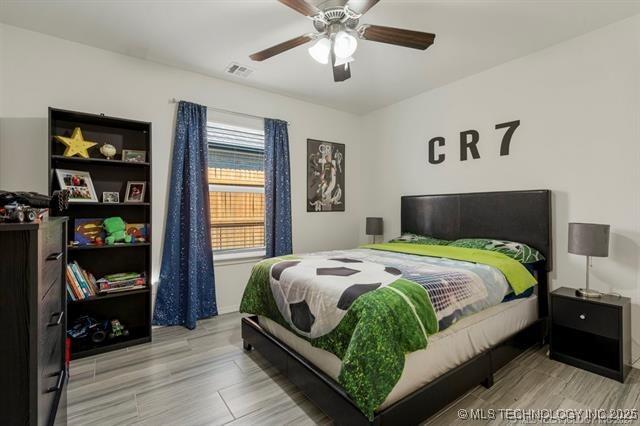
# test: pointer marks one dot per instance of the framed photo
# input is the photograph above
(79, 185)
(111, 197)
(133, 156)
(325, 176)
(135, 192)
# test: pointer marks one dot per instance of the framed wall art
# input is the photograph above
(325, 176)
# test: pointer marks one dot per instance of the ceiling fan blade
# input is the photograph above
(282, 47)
(301, 6)
(361, 6)
(340, 72)
(397, 36)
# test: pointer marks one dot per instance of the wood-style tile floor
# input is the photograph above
(204, 377)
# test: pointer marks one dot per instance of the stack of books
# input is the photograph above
(121, 282)
(80, 284)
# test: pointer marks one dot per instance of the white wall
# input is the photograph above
(38, 71)
(1, 73)
(579, 106)
(579, 103)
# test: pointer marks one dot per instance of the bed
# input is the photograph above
(465, 354)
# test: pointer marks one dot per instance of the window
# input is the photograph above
(236, 188)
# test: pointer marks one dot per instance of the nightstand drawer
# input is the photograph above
(586, 316)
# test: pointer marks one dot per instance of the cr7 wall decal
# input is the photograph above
(469, 143)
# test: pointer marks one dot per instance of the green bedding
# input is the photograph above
(516, 273)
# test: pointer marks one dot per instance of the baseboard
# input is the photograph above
(228, 309)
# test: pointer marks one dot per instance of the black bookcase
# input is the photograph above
(132, 308)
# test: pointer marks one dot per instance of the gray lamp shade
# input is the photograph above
(374, 226)
(589, 239)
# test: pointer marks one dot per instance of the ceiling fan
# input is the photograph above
(337, 32)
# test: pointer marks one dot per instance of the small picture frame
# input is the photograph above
(79, 185)
(111, 197)
(134, 156)
(135, 192)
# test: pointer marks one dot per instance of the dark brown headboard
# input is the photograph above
(522, 216)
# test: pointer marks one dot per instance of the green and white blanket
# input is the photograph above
(372, 306)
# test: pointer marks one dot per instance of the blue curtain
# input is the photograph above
(186, 291)
(277, 188)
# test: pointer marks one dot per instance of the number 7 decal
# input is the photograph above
(506, 139)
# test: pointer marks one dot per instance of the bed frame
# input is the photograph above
(523, 216)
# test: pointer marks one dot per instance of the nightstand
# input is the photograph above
(593, 334)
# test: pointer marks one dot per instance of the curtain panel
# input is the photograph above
(186, 290)
(277, 188)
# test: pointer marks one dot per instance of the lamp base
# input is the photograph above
(588, 293)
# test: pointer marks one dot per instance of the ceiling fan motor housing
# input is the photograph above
(327, 20)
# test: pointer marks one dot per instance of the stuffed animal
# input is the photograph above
(115, 229)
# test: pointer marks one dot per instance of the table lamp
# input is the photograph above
(374, 227)
(588, 239)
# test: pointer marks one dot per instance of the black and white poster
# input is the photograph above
(325, 176)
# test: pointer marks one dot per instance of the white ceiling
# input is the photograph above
(205, 36)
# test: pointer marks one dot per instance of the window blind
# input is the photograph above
(236, 187)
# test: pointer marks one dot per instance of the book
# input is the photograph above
(92, 283)
(122, 276)
(120, 289)
(106, 286)
(70, 296)
(72, 283)
(86, 280)
(79, 280)
(120, 282)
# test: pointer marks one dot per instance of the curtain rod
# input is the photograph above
(227, 111)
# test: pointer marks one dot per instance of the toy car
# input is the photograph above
(117, 329)
(19, 213)
(87, 327)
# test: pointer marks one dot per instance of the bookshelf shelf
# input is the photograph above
(98, 161)
(109, 296)
(132, 307)
(106, 247)
(99, 204)
(90, 350)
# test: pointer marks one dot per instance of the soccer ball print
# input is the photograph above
(313, 294)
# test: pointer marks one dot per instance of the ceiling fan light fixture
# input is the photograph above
(343, 61)
(344, 44)
(321, 50)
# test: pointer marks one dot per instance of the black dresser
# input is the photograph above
(33, 373)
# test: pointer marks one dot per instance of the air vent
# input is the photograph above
(236, 69)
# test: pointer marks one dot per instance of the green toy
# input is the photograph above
(115, 229)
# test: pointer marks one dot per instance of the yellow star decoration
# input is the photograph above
(76, 144)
